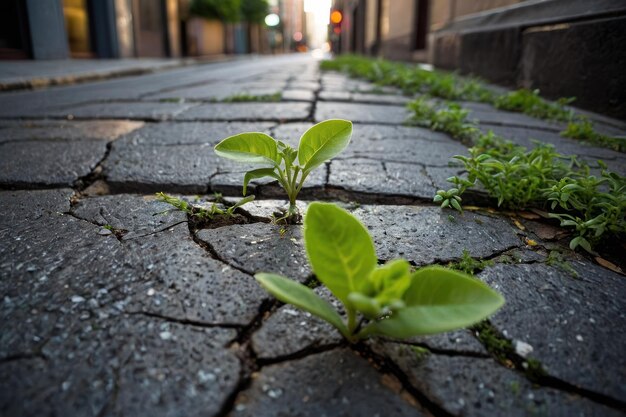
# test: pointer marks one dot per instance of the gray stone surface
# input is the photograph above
(259, 247)
(376, 177)
(124, 110)
(217, 91)
(298, 95)
(366, 113)
(576, 326)
(364, 97)
(69, 130)
(425, 235)
(247, 111)
(181, 168)
(481, 387)
(127, 365)
(489, 115)
(188, 133)
(345, 384)
(291, 330)
(48, 163)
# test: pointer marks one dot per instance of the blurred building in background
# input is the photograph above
(60, 29)
(562, 47)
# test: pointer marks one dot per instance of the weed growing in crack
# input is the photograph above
(250, 98)
(451, 119)
(417, 80)
(201, 213)
(469, 265)
(280, 161)
(594, 206)
(582, 129)
(385, 300)
(530, 103)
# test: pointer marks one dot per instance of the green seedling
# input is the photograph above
(469, 265)
(444, 117)
(386, 300)
(202, 213)
(290, 167)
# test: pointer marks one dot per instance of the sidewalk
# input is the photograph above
(110, 309)
(29, 74)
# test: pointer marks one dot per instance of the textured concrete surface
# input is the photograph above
(113, 303)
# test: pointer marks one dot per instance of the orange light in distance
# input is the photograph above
(336, 17)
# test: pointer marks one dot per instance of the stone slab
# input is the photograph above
(364, 97)
(290, 330)
(188, 133)
(364, 113)
(180, 168)
(247, 111)
(131, 365)
(345, 384)
(33, 164)
(123, 110)
(107, 130)
(298, 95)
(381, 178)
(576, 326)
(260, 247)
(425, 235)
(217, 91)
(482, 388)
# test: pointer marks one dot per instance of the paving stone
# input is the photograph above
(70, 130)
(184, 283)
(298, 95)
(345, 384)
(137, 215)
(576, 325)
(217, 91)
(247, 111)
(291, 330)
(461, 341)
(425, 235)
(364, 97)
(48, 163)
(180, 168)
(188, 133)
(131, 365)
(439, 176)
(44, 267)
(304, 85)
(367, 113)
(127, 110)
(489, 115)
(263, 210)
(381, 178)
(259, 247)
(480, 387)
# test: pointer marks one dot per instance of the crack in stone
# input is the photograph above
(440, 351)
(185, 322)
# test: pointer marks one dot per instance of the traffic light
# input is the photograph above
(336, 17)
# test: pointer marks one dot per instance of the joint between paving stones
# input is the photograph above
(502, 351)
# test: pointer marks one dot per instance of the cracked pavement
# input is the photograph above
(112, 304)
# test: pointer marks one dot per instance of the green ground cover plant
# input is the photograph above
(530, 103)
(594, 206)
(250, 98)
(412, 79)
(290, 167)
(379, 300)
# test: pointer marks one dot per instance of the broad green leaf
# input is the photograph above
(258, 173)
(390, 281)
(322, 142)
(252, 147)
(292, 292)
(340, 249)
(440, 300)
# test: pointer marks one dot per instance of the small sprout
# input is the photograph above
(290, 167)
(387, 300)
(201, 213)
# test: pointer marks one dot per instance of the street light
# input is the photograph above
(272, 20)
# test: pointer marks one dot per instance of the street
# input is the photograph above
(115, 304)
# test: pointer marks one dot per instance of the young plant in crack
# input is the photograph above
(280, 161)
(201, 213)
(385, 300)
